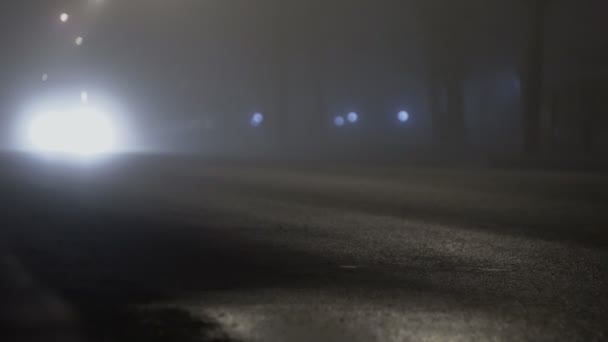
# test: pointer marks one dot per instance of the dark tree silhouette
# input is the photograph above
(446, 55)
(532, 80)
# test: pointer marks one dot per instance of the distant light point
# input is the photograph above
(64, 17)
(257, 119)
(403, 116)
(84, 97)
(352, 117)
(45, 77)
(79, 41)
(339, 121)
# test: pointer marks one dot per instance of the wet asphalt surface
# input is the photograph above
(296, 252)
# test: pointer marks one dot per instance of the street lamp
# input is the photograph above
(339, 121)
(403, 116)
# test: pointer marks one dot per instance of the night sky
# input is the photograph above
(190, 74)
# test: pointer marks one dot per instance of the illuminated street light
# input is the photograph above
(84, 97)
(79, 40)
(403, 116)
(64, 17)
(352, 117)
(257, 119)
(339, 121)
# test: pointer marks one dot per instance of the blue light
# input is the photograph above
(403, 116)
(352, 117)
(339, 121)
(257, 119)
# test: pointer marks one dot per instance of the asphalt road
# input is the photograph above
(297, 252)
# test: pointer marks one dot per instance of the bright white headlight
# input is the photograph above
(83, 132)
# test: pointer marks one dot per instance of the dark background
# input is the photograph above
(482, 80)
(299, 230)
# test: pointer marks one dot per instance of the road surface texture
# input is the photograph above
(181, 249)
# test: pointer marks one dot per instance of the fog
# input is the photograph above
(481, 81)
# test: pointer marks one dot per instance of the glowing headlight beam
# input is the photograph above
(82, 132)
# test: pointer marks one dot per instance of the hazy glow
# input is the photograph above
(403, 116)
(79, 41)
(45, 77)
(64, 17)
(339, 121)
(82, 132)
(352, 117)
(257, 119)
(84, 97)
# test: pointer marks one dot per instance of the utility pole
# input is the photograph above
(281, 76)
(447, 61)
(532, 81)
